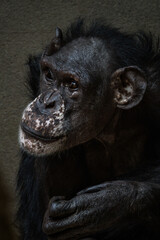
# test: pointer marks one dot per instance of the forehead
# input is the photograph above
(80, 54)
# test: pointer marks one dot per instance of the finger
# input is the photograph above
(56, 198)
(92, 189)
(76, 220)
(53, 227)
(80, 232)
(61, 208)
(70, 235)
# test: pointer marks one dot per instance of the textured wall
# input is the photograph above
(25, 28)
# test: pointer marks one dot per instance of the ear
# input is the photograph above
(129, 85)
(55, 44)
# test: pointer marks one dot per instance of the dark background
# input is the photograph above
(25, 28)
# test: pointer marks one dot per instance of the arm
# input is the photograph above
(111, 207)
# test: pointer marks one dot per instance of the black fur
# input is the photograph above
(126, 49)
(29, 187)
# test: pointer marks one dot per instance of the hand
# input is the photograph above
(92, 211)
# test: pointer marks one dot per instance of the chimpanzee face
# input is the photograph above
(74, 96)
(79, 93)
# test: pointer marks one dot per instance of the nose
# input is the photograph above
(49, 101)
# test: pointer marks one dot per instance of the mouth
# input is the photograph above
(34, 134)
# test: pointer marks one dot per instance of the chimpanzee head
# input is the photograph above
(80, 91)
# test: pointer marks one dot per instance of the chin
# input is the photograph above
(39, 147)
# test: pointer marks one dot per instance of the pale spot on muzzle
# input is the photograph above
(37, 147)
(44, 125)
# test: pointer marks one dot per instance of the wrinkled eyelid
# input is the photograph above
(71, 76)
(44, 64)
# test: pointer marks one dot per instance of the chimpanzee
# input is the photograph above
(90, 139)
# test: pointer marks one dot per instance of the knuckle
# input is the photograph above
(46, 227)
(55, 202)
(56, 199)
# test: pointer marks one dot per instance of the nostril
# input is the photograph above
(41, 99)
(49, 100)
(49, 104)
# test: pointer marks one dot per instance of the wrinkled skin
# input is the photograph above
(90, 212)
(98, 208)
(57, 111)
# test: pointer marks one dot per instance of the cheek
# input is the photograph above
(82, 126)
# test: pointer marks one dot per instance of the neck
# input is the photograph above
(124, 142)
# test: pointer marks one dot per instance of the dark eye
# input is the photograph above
(71, 83)
(48, 74)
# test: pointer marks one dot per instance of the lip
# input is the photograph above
(34, 134)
